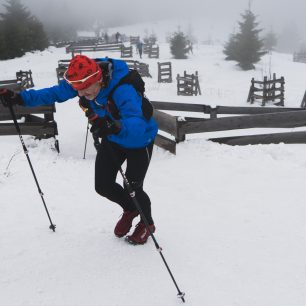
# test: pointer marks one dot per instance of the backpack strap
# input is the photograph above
(112, 107)
(123, 80)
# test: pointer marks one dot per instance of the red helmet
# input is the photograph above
(82, 72)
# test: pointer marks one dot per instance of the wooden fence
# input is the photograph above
(188, 84)
(153, 51)
(61, 68)
(23, 80)
(74, 49)
(267, 90)
(146, 48)
(134, 40)
(142, 68)
(31, 124)
(244, 118)
(126, 51)
(164, 72)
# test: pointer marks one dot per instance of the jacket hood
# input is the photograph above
(119, 69)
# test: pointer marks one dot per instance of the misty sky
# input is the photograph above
(271, 13)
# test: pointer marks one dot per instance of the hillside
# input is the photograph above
(230, 220)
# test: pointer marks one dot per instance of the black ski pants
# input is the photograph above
(109, 157)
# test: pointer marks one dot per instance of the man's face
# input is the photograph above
(91, 92)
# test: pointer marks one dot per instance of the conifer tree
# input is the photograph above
(230, 48)
(37, 35)
(179, 45)
(245, 47)
(21, 31)
(3, 45)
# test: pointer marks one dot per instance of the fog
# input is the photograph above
(272, 14)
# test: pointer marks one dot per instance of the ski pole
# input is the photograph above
(132, 194)
(86, 139)
(52, 226)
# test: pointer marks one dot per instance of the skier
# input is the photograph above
(117, 35)
(130, 137)
(139, 47)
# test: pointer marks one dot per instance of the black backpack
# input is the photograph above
(133, 78)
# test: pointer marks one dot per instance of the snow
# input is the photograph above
(230, 220)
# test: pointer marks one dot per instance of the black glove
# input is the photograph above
(85, 106)
(9, 97)
(105, 126)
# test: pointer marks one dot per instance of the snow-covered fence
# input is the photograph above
(61, 68)
(188, 84)
(267, 90)
(146, 48)
(164, 72)
(134, 40)
(61, 44)
(142, 68)
(153, 51)
(126, 51)
(30, 123)
(255, 117)
(74, 49)
(299, 57)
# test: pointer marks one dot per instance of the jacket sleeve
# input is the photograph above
(46, 96)
(129, 103)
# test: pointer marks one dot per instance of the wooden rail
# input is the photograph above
(188, 84)
(92, 48)
(40, 127)
(268, 90)
(164, 72)
(244, 118)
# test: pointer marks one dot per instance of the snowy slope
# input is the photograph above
(230, 219)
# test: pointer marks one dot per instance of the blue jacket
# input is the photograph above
(136, 131)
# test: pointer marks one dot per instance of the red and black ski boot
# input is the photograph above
(124, 225)
(140, 234)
